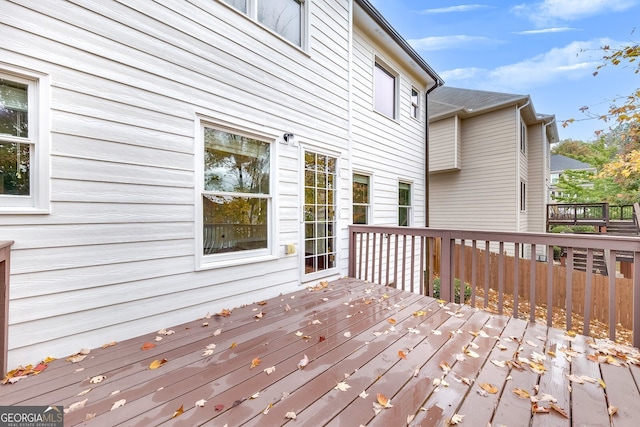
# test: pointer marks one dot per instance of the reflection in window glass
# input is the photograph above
(241, 5)
(282, 16)
(15, 157)
(384, 92)
(360, 199)
(404, 204)
(236, 198)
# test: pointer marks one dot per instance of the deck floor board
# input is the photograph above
(430, 359)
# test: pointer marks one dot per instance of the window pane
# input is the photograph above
(360, 189)
(359, 214)
(241, 5)
(14, 169)
(404, 194)
(13, 109)
(234, 163)
(415, 103)
(282, 16)
(384, 92)
(234, 223)
(403, 216)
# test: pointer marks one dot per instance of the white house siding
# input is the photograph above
(481, 195)
(391, 150)
(115, 257)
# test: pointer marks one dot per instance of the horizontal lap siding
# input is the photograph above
(115, 257)
(482, 194)
(391, 150)
(536, 180)
(443, 145)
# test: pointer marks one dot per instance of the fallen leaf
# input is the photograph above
(445, 367)
(259, 315)
(75, 406)
(612, 410)
(539, 409)
(601, 382)
(456, 419)
(261, 303)
(392, 321)
(419, 313)
(523, 394)
(224, 313)
(436, 332)
(217, 332)
(219, 407)
(255, 362)
(559, 410)
(109, 344)
(255, 395)
(83, 392)
(76, 358)
(290, 415)
(347, 334)
(178, 412)
(321, 338)
(270, 370)
(166, 332)
(207, 352)
(316, 322)
(342, 386)
(499, 363)
(489, 388)
(97, 379)
(118, 404)
(147, 346)
(410, 418)
(157, 363)
(233, 345)
(266, 410)
(383, 400)
(364, 394)
(402, 355)
(113, 393)
(303, 362)
(200, 403)
(299, 334)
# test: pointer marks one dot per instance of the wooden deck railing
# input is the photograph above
(404, 257)
(5, 258)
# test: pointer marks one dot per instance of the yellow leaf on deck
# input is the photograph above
(157, 363)
(489, 388)
(523, 394)
(402, 355)
(255, 362)
(383, 400)
(178, 412)
(233, 345)
(392, 321)
(602, 384)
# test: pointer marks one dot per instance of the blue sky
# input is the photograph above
(548, 49)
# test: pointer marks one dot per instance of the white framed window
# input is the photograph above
(523, 137)
(361, 198)
(404, 204)
(236, 195)
(24, 149)
(415, 103)
(284, 17)
(384, 90)
(523, 196)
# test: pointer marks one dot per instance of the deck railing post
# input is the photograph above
(5, 274)
(352, 253)
(636, 299)
(446, 268)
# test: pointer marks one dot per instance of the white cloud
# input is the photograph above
(454, 9)
(574, 61)
(547, 30)
(450, 42)
(569, 10)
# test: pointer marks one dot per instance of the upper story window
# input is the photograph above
(384, 91)
(23, 156)
(404, 204)
(361, 197)
(523, 138)
(236, 196)
(285, 17)
(415, 103)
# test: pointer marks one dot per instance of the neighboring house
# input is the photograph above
(560, 164)
(162, 160)
(488, 161)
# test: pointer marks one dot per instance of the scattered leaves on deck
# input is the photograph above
(255, 362)
(342, 386)
(75, 406)
(200, 403)
(97, 379)
(117, 404)
(178, 412)
(224, 313)
(489, 388)
(147, 346)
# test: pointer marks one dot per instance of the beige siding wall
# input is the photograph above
(483, 194)
(537, 179)
(390, 150)
(444, 145)
(116, 255)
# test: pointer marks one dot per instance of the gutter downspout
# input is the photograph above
(437, 84)
(518, 136)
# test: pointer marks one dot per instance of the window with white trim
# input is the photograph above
(523, 137)
(361, 197)
(384, 91)
(404, 204)
(236, 196)
(415, 103)
(23, 156)
(284, 17)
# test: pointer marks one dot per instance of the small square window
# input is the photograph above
(415, 103)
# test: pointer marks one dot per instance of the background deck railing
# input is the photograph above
(5, 258)
(529, 267)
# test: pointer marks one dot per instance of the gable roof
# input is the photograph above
(452, 101)
(559, 163)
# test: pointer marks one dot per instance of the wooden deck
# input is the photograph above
(363, 342)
